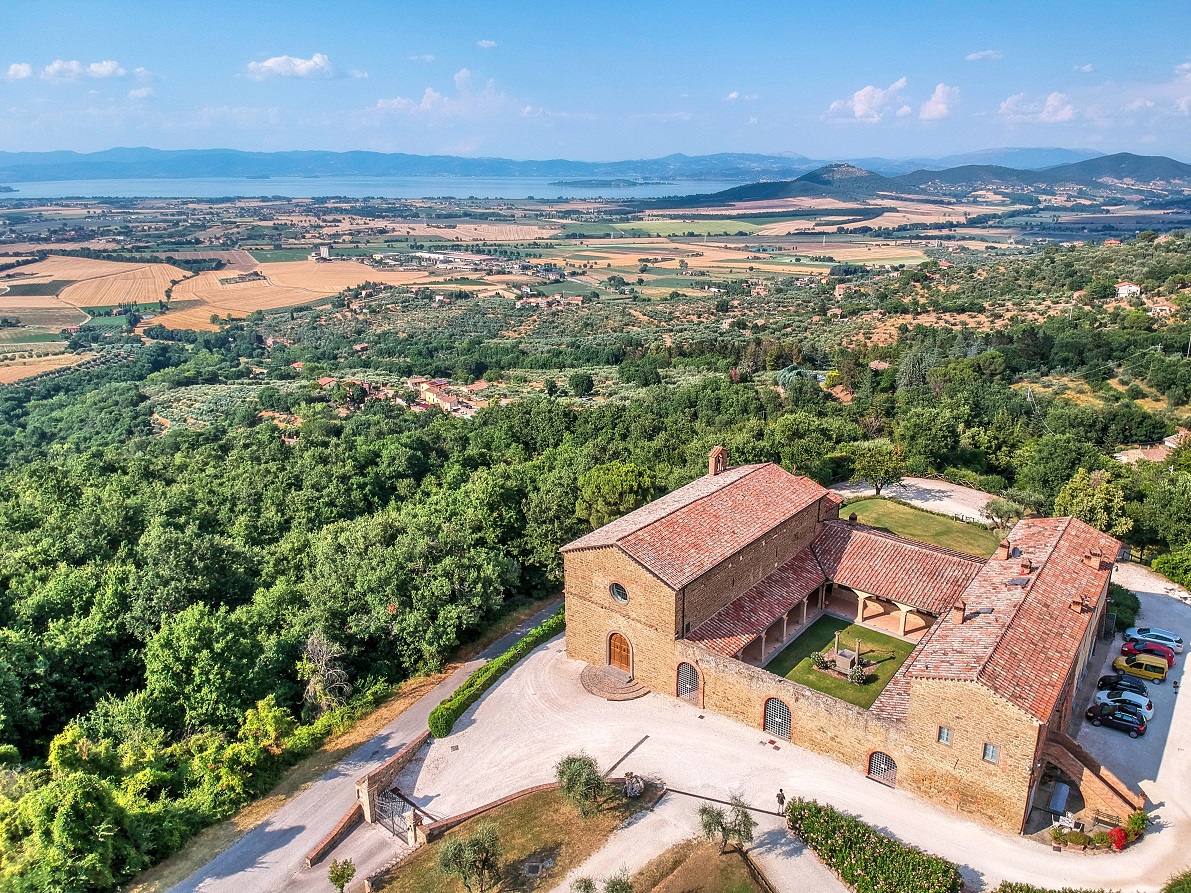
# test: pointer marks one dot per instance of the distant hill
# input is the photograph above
(1089, 173)
(1019, 158)
(843, 181)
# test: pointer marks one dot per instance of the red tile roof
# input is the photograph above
(1020, 635)
(926, 577)
(742, 621)
(686, 533)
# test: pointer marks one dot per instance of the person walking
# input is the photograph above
(781, 800)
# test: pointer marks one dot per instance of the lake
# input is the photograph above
(356, 187)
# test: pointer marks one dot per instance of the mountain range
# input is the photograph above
(144, 163)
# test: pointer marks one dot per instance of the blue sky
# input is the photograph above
(596, 80)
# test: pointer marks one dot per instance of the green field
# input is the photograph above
(24, 336)
(923, 526)
(682, 227)
(794, 662)
(37, 289)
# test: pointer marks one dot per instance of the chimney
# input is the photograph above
(717, 461)
(1092, 558)
(1026, 566)
(1002, 552)
(852, 517)
(958, 611)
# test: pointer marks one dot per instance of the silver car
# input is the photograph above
(1141, 703)
(1173, 641)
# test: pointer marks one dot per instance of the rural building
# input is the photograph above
(695, 593)
(1127, 290)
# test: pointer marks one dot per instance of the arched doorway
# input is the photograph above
(688, 683)
(620, 655)
(882, 768)
(777, 718)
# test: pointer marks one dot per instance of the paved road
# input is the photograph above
(927, 493)
(271, 856)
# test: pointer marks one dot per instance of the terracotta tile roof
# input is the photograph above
(742, 621)
(894, 701)
(1020, 635)
(681, 536)
(926, 577)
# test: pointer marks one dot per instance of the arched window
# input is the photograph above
(882, 768)
(777, 718)
(619, 593)
(688, 683)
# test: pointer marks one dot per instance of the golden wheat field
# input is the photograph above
(18, 369)
(141, 285)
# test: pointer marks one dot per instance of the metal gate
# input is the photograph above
(688, 683)
(882, 768)
(777, 718)
(391, 814)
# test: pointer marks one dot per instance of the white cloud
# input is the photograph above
(868, 103)
(18, 71)
(904, 110)
(752, 120)
(485, 44)
(1055, 109)
(358, 74)
(940, 104)
(425, 57)
(317, 66)
(107, 69)
(72, 70)
(1139, 104)
(983, 55)
(1183, 71)
(731, 97)
(1086, 69)
(467, 102)
(142, 73)
(140, 93)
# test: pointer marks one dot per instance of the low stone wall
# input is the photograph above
(381, 778)
(346, 825)
(437, 829)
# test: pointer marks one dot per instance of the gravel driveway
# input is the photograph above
(927, 493)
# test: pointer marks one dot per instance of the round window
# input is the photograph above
(619, 593)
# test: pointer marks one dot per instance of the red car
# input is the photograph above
(1149, 648)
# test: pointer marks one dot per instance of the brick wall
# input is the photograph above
(381, 778)
(956, 774)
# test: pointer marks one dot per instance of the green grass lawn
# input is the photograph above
(794, 662)
(923, 526)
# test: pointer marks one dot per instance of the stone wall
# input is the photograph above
(381, 778)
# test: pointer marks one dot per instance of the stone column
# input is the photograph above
(903, 614)
(861, 604)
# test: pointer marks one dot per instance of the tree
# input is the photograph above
(878, 462)
(327, 685)
(581, 383)
(608, 491)
(1095, 499)
(340, 873)
(1003, 512)
(582, 783)
(475, 860)
(734, 825)
(551, 387)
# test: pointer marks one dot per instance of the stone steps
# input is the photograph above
(611, 685)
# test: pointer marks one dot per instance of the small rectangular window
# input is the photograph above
(992, 753)
(944, 735)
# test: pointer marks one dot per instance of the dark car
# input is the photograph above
(1118, 716)
(1153, 648)
(1122, 682)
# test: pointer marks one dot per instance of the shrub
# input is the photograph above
(1180, 883)
(582, 783)
(819, 659)
(857, 675)
(1009, 887)
(1126, 605)
(443, 717)
(1078, 838)
(1101, 839)
(1058, 835)
(863, 858)
(1116, 837)
(1136, 824)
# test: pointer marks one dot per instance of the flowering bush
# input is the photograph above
(857, 675)
(863, 858)
(819, 660)
(1117, 838)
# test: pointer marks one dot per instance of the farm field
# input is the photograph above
(18, 369)
(142, 285)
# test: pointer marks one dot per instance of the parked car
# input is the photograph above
(1147, 666)
(1143, 704)
(1122, 682)
(1173, 641)
(1117, 716)
(1149, 648)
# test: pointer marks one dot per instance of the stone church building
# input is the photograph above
(692, 595)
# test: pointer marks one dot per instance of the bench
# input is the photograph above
(1105, 819)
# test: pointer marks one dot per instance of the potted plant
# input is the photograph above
(1116, 837)
(1058, 836)
(1101, 840)
(1078, 840)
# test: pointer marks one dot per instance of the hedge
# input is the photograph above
(1007, 887)
(863, 858)
(443, 717)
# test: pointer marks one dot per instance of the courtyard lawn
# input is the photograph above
(696, 866)
(909, 522)
(794, 662)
